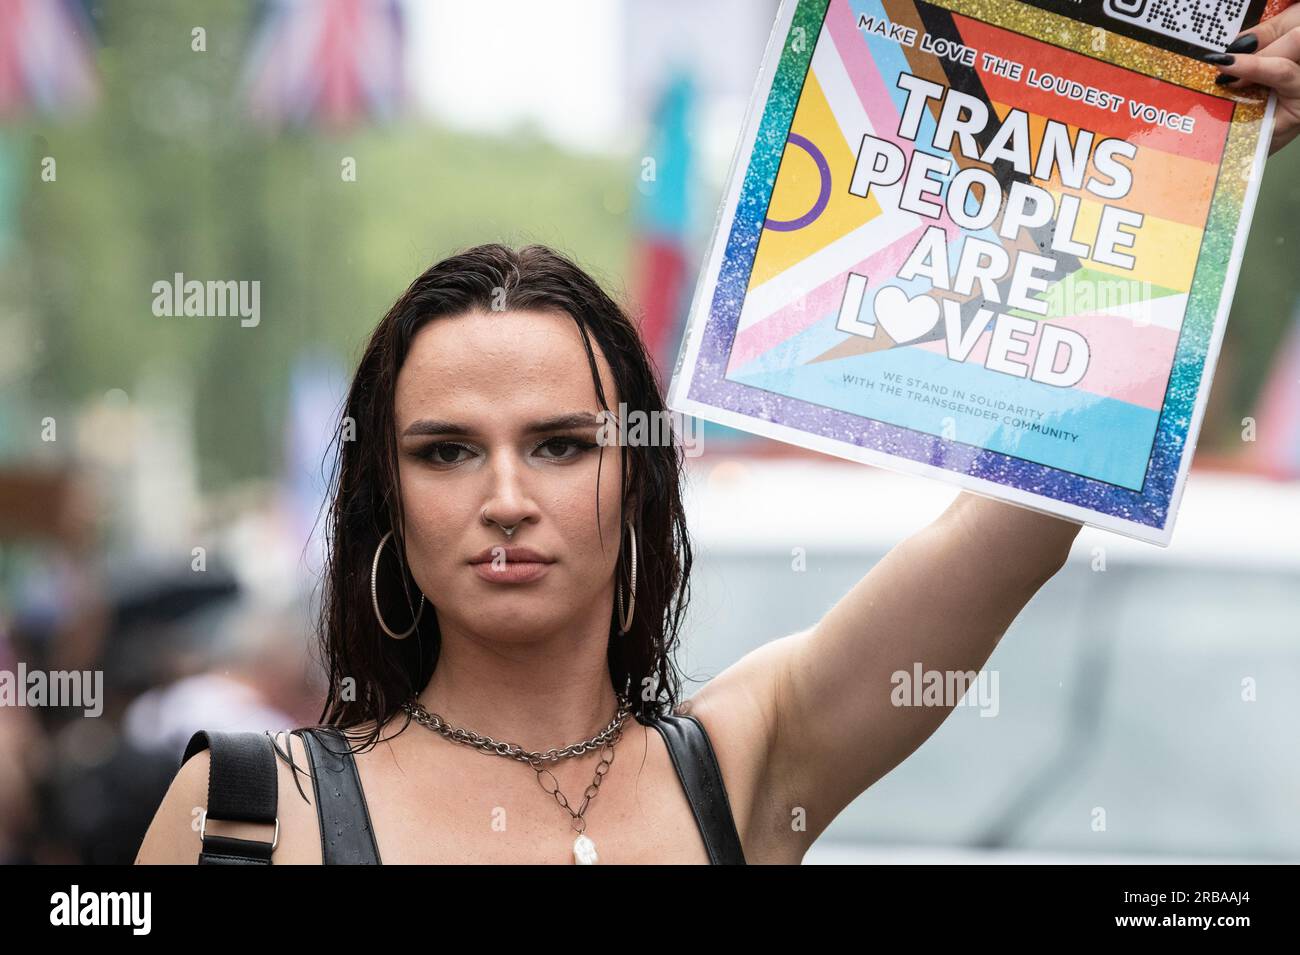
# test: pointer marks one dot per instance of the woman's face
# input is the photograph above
(477, 408)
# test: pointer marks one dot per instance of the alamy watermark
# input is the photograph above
(213, 299)
(75, 907)
(639, 428)
(946, 688)
(83, 688)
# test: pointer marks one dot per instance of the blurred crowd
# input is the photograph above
(179, 649)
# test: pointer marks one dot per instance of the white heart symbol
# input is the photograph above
(904, 319)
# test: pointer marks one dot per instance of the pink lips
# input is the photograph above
(510, 565)
(511, 573)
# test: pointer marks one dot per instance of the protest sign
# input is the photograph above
(987, 241)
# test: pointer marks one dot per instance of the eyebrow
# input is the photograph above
(573, 419)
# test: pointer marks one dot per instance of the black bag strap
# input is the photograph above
(697, 768)
(242, 787)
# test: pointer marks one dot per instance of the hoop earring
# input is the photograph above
(374, 595)
(625, 623)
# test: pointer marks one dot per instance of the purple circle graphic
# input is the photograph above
(823, 195)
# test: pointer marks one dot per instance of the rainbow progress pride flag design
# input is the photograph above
(982, 241)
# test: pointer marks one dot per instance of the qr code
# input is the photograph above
(1208, 23)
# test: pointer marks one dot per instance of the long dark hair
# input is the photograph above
(370, 674)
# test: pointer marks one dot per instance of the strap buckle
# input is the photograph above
(203, 827)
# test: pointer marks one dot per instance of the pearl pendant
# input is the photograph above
(584, 851)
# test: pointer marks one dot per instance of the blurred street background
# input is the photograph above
(162, 478)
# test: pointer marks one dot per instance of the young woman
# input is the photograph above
(498, 585)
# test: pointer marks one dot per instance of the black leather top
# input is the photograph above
(697, 768)
(347, 836)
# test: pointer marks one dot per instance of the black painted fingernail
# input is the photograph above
(1219, 59)
(1245, 43)
(1223, 79)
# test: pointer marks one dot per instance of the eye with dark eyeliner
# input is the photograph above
(581, 445)
(432, 452)
(429, 451)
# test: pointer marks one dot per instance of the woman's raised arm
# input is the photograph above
(814, 710)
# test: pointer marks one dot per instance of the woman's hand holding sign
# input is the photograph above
(1275, 65)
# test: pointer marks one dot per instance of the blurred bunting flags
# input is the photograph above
(662, 254)
(662, 218)
(46, 58)
(332, 63)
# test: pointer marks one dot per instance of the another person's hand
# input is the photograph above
(1268, 54)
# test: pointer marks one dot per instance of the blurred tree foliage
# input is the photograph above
(1264, 305)
(168, 174)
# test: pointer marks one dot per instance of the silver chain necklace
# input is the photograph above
(584, 849)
